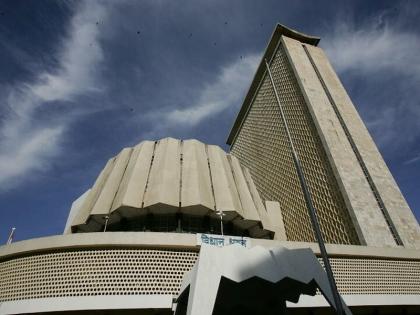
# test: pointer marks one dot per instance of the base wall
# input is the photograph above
(88, 268)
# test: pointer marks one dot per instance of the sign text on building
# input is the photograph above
(221, 240)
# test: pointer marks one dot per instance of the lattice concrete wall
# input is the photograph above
(261, 145)
(148, 271)
(376, 276)
(95, 272)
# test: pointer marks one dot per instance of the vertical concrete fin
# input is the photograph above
(276, 220)
(110, 188)
(149, 172)
(367, 218)
(206, 147)
(93, 195)
(164, 178)
(397, 209)
(131, 191)
(225, 193)
(196, 186)
(262, 212)
(249, 209)
(181, 162)
(74, 210)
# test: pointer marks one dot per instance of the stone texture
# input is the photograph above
(397, 208)
(367, 217)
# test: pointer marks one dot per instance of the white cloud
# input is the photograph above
(31, 154)
(414, 159)
(372, 48)
(78, 57)
(27, 145)
(382, 51)
(227, 90)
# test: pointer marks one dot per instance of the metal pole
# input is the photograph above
(221, 214)
(10, 239)
(310, 206)
(106, 222)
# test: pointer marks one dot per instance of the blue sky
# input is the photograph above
(81, 80)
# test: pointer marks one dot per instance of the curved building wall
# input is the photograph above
(174, 185)
(124, 264)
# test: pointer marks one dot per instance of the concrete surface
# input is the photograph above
(277, 275)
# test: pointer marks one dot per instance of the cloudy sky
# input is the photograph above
(81, 80)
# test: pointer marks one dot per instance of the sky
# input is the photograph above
(81, 80)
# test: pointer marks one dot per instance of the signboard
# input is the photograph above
(222, 240)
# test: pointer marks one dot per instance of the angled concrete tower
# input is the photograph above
(356, 197)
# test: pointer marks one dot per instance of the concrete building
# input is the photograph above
(130, 240)
(175, 186)
(356, 197)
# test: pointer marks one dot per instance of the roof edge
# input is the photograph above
(269, 51)
(304, 38)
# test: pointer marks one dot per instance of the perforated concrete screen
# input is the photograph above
(93, 272)
(261, 145)
(376, 276)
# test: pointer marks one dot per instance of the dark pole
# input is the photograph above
(310, 206)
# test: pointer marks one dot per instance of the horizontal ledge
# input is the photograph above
(183, 241)
(87, 303)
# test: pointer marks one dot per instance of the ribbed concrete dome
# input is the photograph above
(169, 177)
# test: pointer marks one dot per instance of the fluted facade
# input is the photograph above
(170, 177)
